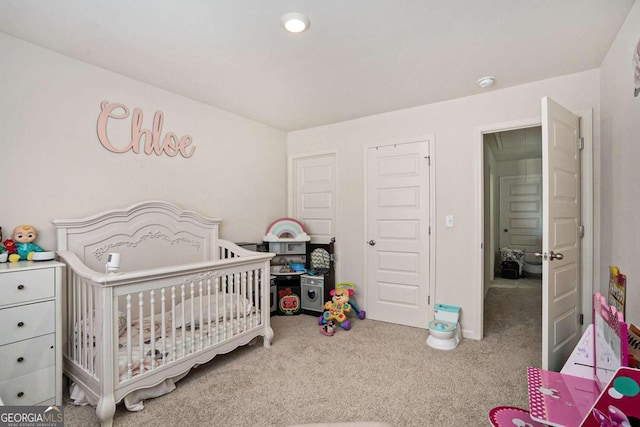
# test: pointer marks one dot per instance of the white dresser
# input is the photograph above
(30, 336)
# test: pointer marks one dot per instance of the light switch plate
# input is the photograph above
(448, 221)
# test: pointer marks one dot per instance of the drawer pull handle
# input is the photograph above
(21, 287)
(20, 359)
(20, 324)
(21, 394)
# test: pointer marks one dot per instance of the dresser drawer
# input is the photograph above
(27, 356)
(23, 286)
(29, 389)
(27, 321)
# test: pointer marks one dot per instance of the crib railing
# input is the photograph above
(161, 316)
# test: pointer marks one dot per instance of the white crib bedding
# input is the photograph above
(218, 331)
(175, 346)
(223, 316)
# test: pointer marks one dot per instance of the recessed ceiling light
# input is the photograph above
(294, 22)
(487, 81)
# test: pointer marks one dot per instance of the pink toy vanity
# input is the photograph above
(592, 389)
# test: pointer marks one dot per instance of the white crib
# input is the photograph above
(181, 296)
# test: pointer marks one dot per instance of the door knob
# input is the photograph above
(539, 254)
(505, 230)
(372, 242)
(558, 256)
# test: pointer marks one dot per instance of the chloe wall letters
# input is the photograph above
(170, 145)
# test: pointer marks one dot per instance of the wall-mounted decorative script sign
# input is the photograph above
(154, 143)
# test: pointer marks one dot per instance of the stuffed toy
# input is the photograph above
(337, 309)
(10, 246)
(23, 236)
(328, 329)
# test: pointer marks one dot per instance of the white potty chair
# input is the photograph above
(444, 330)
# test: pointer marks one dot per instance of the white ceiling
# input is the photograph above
(358, 58)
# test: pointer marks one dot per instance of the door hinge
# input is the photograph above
(581, 231)
(581, 318)
(580, 143)
(428, 160)
(429, 300)
(429, 230)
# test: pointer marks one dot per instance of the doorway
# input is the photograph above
(513, 205)
(565, 296)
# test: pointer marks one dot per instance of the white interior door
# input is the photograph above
(561, 237)
(397, 217)
(521, 212)
(314, 195)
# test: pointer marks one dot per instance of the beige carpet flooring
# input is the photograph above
(374, 372)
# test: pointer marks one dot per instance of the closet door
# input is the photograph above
(398, 240)
(313, 195)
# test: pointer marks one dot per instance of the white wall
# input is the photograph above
(53, 166)
(620, 159)
(458, 165)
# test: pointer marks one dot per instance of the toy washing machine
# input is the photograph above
(317, 284)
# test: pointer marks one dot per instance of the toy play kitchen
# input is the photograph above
(302, 273)
(287, 238)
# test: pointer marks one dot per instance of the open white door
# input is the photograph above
(561, 235)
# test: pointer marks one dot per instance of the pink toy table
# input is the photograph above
(618, 403)
(557, 399)
(567, 398)
(508, 416)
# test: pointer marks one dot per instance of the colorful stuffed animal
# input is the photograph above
(337, 309)
(10, 246)
(23, 237)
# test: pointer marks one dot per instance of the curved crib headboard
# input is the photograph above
(146, 235)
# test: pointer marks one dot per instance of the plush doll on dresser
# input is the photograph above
(23, 237)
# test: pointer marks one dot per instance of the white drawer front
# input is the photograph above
(27, 321)
(27, 356)
(24, 286)
(29, 389)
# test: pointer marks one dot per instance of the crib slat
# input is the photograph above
(152, 310)
(201, 312)
(73, 326)
(173, 321)
(129, 356)
(141, 332)
(85, 330)
(217, 330)
(184, 334)
(209, 311)
(164, 325)
(192, 293)
(92, 310)
(225, 290)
